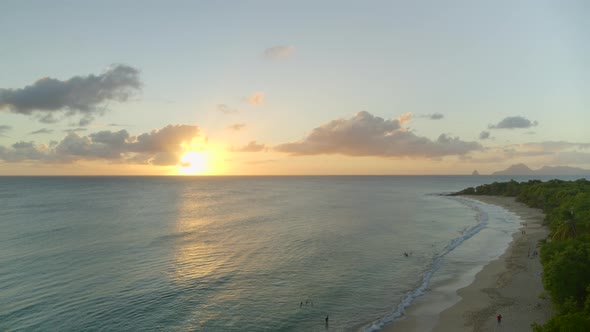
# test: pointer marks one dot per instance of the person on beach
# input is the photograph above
(301, 304)
(327, 320)
(499, 318)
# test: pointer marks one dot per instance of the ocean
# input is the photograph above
(235, 253)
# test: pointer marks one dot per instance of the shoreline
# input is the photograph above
(509, 285)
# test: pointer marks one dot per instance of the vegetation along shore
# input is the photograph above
(565, 252)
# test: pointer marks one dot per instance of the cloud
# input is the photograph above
(257, 98)
(279, 52)
(223, 108)
(159, 147)
(164, 159)
(259, 162)
(83, 96)
(85, 120)
(75, 130)
(484, 134)
(4, 129)
(555, 146)
(404, 118)
(41, 131)
(368, 135)
(250, 147)
(237, 126)
(96, 125)
(572, 158)
(21, 151)
(514, 122)
(74, 147)
(555, 152)
(47, 118)
(513, 153)
(433, 116)
(167, 139)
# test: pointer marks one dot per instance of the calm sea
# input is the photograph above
(233, 253)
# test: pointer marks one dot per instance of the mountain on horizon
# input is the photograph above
(522, 169)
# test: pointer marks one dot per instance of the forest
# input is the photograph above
(565, 253)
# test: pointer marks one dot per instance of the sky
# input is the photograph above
(292, 88)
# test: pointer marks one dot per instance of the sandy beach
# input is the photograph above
(510, 286)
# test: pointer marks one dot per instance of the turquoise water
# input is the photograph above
(230, 253)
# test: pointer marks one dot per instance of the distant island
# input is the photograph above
(522, 169)
(475, 172)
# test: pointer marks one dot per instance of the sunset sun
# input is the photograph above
(193, 163)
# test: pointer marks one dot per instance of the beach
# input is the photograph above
(510, 285)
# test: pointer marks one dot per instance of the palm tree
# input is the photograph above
(567, 229)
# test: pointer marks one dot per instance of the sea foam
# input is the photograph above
(399, 311)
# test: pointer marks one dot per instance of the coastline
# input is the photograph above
(510, 285)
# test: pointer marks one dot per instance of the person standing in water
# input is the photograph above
(327, 320)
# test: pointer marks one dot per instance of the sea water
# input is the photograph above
(234, 253)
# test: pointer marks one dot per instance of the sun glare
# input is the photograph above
(193, 163)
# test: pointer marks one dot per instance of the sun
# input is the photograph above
(193, 163)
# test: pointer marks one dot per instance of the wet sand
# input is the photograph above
(510, 285)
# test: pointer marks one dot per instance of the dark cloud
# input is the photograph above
(21, 151)
(41, 131)
(433, 116)
(279, 52)
(514, 122)
(110, 138)
(165, 159)
(47, 118)
(75, 130)
(74, 147)
(85, 120)
(368, 135)
(167, 139)
(82, 96)
(250, 147)
(484, 135)
(158, 147)
(237, 126)
(4, 129)
(223, 108)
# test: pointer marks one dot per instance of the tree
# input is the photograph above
(566, 273)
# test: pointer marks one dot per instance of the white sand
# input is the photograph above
(510, 285)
